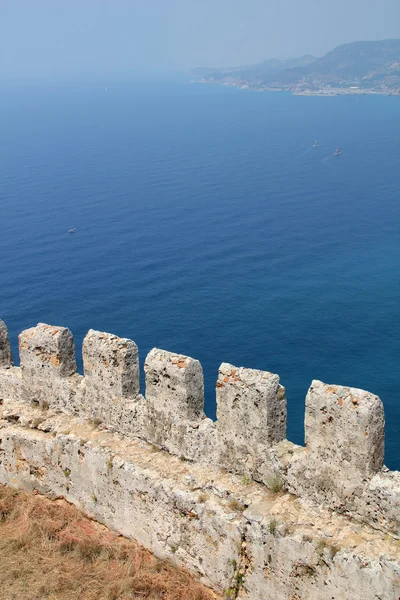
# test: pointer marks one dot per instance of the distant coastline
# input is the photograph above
(358, 68)
(321, 92)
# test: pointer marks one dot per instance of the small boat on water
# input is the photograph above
(337, 152)
(315, 144)
(73, 230)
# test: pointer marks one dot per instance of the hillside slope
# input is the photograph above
(50, 551)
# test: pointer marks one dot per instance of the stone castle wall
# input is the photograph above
(339, 474)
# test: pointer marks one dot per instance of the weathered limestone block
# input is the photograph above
(111, 367)
(47, 357)
(173, 414)
(251, 417)
(174, 385)
(10, 383)
(10, 377)
(304, 567)
(5, 348)
(190, 440)
(345, 428)
(380, 503)
(344, 445)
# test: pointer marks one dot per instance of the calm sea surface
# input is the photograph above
(208, 225)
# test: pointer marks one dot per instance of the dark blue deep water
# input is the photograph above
(208, 225)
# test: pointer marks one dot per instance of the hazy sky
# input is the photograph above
(56, 37)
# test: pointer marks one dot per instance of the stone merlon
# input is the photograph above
(174, 384)
(251, 406)
(47, 358)
(111, 365)
(345, 427)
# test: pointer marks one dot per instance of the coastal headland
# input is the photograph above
(356, 68)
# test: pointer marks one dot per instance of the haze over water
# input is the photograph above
(207, 224)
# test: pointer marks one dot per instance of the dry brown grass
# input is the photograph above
(50, 551)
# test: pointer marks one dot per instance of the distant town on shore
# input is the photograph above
(357, 68)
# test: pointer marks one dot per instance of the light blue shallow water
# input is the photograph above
(208, 225)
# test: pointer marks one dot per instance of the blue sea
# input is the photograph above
(207, 224)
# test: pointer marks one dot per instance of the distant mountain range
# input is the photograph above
(359, 67)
